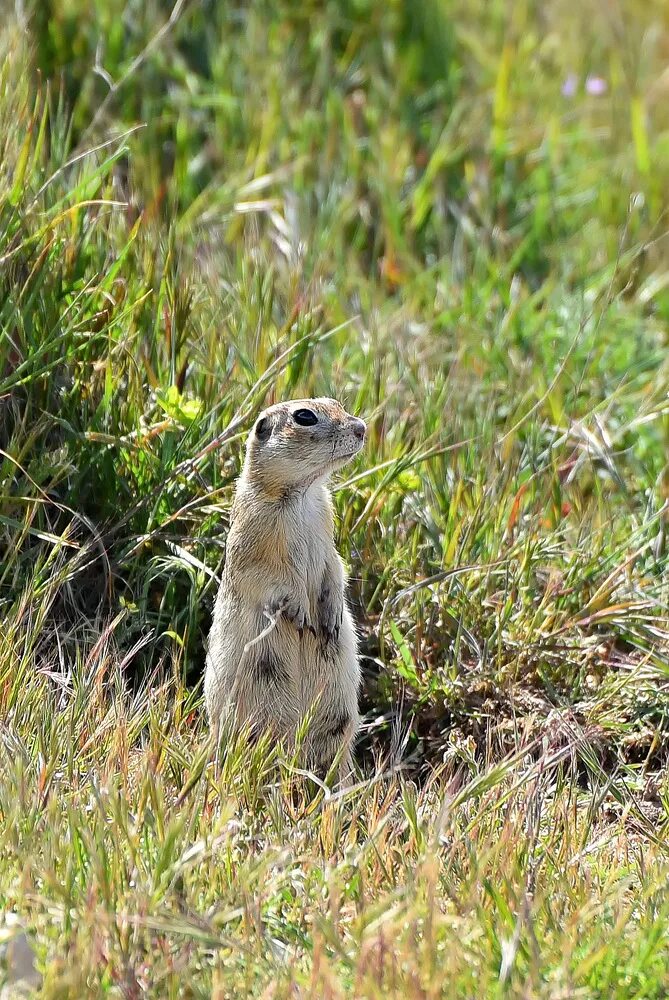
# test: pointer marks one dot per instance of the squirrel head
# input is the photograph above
(296, 444)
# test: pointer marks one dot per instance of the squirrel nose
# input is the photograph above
(359, 428)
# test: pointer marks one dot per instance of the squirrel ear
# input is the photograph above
(263, 428)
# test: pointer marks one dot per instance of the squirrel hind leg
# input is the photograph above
(330, 743)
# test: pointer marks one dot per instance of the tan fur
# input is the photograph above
(281, 562)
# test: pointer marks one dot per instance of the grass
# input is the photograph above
(204, 208)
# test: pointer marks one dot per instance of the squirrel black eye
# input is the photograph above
(263, 428)
(305, 418)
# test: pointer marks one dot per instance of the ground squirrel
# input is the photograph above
(281, 566)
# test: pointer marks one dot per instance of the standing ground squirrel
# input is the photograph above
(282, 566)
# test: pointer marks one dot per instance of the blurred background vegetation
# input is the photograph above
(451, 216)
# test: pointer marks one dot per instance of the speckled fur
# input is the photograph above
(281, 555)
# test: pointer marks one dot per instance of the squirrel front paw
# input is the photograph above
(294, 611)
(330, 613)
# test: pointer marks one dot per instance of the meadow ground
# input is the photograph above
(452, 216)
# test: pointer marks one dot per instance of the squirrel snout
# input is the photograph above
(359, 428)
